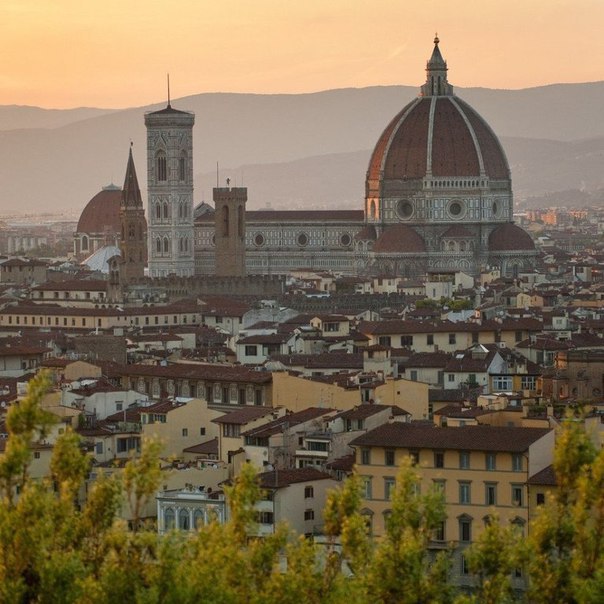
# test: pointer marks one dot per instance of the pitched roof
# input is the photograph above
(209, 447)
(368, 409)
(283, 478)
(287, 421)
(546, 477)
(243, 415)
(471, 438)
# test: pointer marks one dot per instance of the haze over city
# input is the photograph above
(113, 54)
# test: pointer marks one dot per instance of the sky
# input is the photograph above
(116, 53)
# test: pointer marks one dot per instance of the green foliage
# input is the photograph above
(51, 550)
(403, 569)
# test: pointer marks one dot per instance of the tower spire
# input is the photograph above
(436, 74)
(131, 193)
(169, 105)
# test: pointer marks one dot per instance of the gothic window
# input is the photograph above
(182, 166)
(462, 246)
(162, 168)
(158, 245)
(166, 245)
(373, 209)
(451, 246)
(158, 211)
(131, 230)
(225, 221)
(166, 210)
(186, 244)
(180, 244)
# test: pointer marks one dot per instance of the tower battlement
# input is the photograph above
(229, 194)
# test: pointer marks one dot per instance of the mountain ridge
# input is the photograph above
(65, 166)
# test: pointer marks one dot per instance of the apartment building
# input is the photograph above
(481, 470)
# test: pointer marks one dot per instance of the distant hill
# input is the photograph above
(307, 150)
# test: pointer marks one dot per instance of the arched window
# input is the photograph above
(225, 221)
(169, 519)
(373, 209)
(186, 244)
(158, 245)
(198, 520)
(161, 166)
(451, 246)
(166, 245)
(84, 242)
(182, 166)
(131, 230)
(462, 246)
(180, 210)
(166, 210)
(183, 520)
(158, 211)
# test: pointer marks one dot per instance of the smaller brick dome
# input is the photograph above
(102, 212)
(367, 233)
(509, 237)
(399, 239)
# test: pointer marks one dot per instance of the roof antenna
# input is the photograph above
(169, 106)
(217, 176)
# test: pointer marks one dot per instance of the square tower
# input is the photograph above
(229, 230)
(170, 192)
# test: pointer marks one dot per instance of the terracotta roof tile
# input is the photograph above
(471, 438)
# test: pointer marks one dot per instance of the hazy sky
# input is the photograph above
(115, 53)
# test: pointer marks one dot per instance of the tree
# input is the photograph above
(566, 561)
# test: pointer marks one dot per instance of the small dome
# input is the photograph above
(102, 212)
(509, 237)
(399, 239)
(367, 233)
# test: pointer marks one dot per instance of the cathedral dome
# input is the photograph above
(399, 239)
(509, 237)
(102, 212)
(437, 135)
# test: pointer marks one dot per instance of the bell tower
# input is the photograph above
(133, 241)
(170, 192)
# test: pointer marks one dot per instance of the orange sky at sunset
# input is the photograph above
(115, 53)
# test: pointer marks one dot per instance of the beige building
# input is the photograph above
(482, 470)
(180, 425)
(296, 496)
(296, 393)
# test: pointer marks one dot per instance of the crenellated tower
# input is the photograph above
(229, 230)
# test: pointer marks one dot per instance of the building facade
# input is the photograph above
(438, 197)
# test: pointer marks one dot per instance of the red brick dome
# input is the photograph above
(509, 237)
(437, 135)
(441, 134)
(102, 212)
(399, 239)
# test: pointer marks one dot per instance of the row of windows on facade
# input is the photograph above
(161, 166)
(269, 517)
(464, 495)
(490, 459)
(24, 320)
(162, 245)
(407, 340)
(163, 210)
(211, 393)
